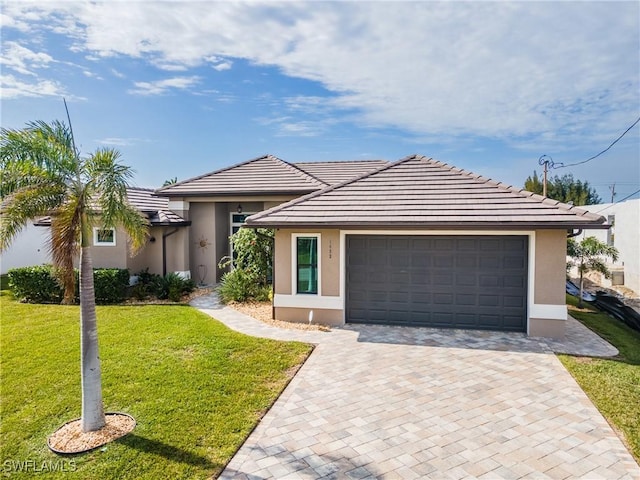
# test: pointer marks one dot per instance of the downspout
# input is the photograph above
(572, 234)
(164, 250)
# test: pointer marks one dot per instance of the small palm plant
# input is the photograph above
(42, 174)
(589, 256)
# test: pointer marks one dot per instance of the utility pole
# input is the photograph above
(547, 162)
(613, 191)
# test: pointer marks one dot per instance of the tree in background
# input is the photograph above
(588, 256)
(564, 189)
(42, 174)
(170, 181)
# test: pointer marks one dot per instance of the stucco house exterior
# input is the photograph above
(421, 243)
(218, 203)
(414, 242)
(166, 249)
(624, 218)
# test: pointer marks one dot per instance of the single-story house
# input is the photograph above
(421, 243)
(624, 234)
(414, 242)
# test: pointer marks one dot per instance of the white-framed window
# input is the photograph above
(306, 263)
(104, 237)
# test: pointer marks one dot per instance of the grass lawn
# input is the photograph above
(195, 387)
(614, 384)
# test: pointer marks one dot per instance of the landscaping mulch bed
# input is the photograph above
(263, 311)
(71, 439)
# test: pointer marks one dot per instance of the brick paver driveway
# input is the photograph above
(391, 402)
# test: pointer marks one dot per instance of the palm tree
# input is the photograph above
(588, 255)
(42, 174)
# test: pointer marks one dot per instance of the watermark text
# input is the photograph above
(37, 466)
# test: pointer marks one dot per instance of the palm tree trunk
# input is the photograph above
(92, 409)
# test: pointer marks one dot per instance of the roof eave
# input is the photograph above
(185, 223)
(435, 226)
(241, 193)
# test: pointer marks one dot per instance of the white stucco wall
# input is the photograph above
(626, 231)
(28, 248)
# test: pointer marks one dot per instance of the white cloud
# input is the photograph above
(520, 71)
(22, 60)
(117, 73)
(15, 88)
(223, 66)
(158, 87)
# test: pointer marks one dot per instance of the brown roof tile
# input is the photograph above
(262, 175)
(333, 173)
(418, 191)
(155, 208)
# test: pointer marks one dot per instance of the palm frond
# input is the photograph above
(26, 204)
(109, 186)
(48, 146)
(66, 229)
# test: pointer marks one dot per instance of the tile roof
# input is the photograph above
(154, 207)
(262, 175)
(419, 191)
(336, 172)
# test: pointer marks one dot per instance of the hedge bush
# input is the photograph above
(38, 284)
(110, 284)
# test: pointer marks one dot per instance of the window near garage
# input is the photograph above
(104, 237)
(307, 264)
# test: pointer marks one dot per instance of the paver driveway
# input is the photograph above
(393, 402)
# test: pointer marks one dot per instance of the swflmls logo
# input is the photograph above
(33, 466)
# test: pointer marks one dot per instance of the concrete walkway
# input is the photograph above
(394, 402)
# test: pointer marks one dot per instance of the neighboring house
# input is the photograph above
(29, 248)
(421, 243)
(218, 203)
(624, 218)
(166, 249)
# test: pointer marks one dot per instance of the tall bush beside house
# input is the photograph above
(589, 255)
(43, 174)
(252, 266)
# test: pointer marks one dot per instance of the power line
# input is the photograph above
(619, 201)
(560, 165)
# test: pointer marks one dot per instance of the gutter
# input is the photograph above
(164, 250)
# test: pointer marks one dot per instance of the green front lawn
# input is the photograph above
(613, 385)
(195, 387)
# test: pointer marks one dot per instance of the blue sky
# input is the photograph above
(184, 88)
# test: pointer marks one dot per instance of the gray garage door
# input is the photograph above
(476, 282)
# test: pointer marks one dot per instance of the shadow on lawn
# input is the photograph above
(167, 451)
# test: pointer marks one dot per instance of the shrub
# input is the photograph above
(36, 284)
(145, 286)
(110, 285)
(240, 285)
(172, 287)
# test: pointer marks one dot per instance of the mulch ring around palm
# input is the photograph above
(70, 438)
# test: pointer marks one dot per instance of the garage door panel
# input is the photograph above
(442, 279)
(475, 282)
(489, 281)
